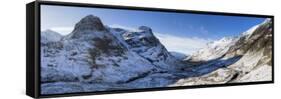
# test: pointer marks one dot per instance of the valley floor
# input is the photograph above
(146, 80)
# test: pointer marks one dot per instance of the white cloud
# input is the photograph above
(184, 45)
(123, 27)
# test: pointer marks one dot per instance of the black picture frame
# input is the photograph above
(33, 47)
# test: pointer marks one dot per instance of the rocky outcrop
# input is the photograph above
(90, 22)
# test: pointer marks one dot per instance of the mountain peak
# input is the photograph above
(50, 36)
(90, 22)
(48, 30)
(145, 28)
(267, 20)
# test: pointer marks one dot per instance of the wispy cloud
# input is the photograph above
(186, 45)
(123, 27)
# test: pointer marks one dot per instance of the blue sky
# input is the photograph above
(179, 26)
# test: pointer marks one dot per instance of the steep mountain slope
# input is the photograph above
(144, 43)
(255, 63)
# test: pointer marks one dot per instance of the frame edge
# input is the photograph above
(36, 67)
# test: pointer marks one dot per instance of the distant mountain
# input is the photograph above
(50, 36)
(179, 55)
(214, 49)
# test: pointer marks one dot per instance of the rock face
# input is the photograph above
(257, 40)
(90, 22)
(255, 64)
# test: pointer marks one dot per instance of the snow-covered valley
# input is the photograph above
(95, 57)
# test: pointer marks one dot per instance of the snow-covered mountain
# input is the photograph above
(50, 36)
(95, 57)
(143, 42)
(256, 48)
(252, 52)
(217, 49)
(214, 50)
(94, 53)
